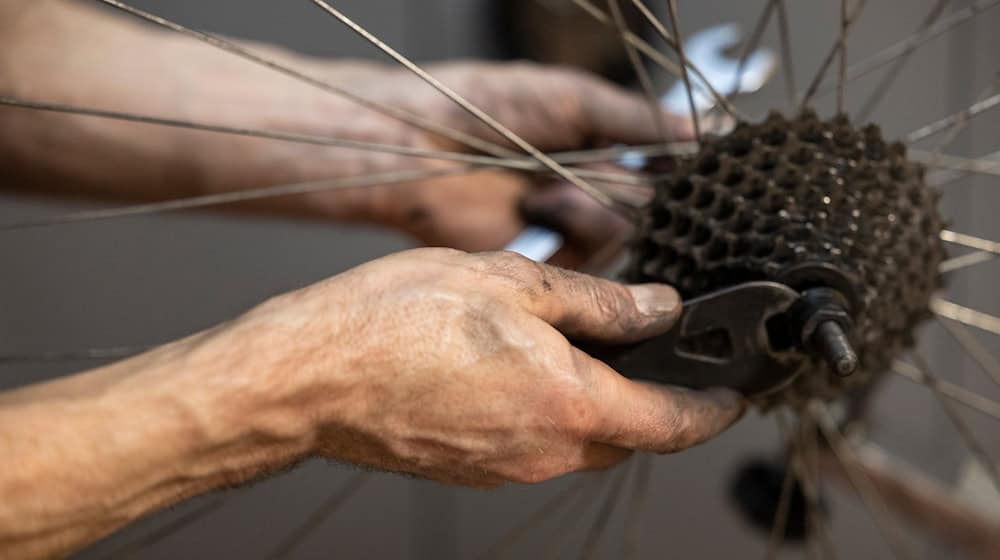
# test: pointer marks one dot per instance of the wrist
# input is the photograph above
(124, 440)
(237, 420)
(184, 419)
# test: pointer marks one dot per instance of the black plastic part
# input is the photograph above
(756, 492)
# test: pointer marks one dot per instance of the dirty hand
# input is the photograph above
(460, 368)
(120, 66)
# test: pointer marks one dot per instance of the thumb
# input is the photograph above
(585, 307)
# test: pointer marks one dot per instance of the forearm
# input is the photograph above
(70, 53)
(93, 452)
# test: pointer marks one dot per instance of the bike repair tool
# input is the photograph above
(753, 337)
(708, 51)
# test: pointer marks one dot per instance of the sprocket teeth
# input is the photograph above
(769, 200)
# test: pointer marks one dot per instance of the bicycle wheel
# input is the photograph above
(835, 56)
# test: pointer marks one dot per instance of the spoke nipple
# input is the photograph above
(833, 343)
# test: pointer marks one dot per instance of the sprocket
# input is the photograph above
(809, 203)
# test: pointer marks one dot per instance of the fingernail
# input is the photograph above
(656, 300)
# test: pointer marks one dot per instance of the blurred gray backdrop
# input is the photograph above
(150, 279)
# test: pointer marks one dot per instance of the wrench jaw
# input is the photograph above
(707, 50)
(741, 338)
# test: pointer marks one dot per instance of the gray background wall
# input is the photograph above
(142, 280)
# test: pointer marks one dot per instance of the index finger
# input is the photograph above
(582, 306)
(653, 417)
(612, 114)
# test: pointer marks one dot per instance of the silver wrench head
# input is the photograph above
(706, 50)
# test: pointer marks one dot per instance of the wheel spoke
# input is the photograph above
(131, 548)
(946, 164)
(942, 178)
(750, 45)
(559, 538)
(519, 163)
(906, 45)
(961, 426)
(965, 261)
(859, 479)
(326, 510)
(636, 506)
(598, 262)
(954, 392)
(292, 189)
(685, 64)
(779, 524)
(900, 62)
(679, 47)
(787, 61)
(956, 163)
(399, 114)
(476, 112)
(110, 353)
(596, 531)
(665, 63)
(799, 468)
(502, 546)
(669, 66)
(403, 176)
(641, 73)
(935, 127)
(616, 153)
(807, 467)
(832, 53)
(973, 347)
(842, 70)
(966, 315)
(970, 241)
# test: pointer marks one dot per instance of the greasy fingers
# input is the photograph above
(457, 367)
(658, 418)
(588, 227)
(613, 114)
(581, 306)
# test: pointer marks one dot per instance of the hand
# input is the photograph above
(457, 367)
(554, 109)
(119, 66)
(434, 362)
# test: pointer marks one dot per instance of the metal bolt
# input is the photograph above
(831, 340)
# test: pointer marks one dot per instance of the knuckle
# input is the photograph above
(681, 433)
(614, 304)
(605, 301)
(433, 253)
(570, 406)
(576, 415)
(513, 269)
